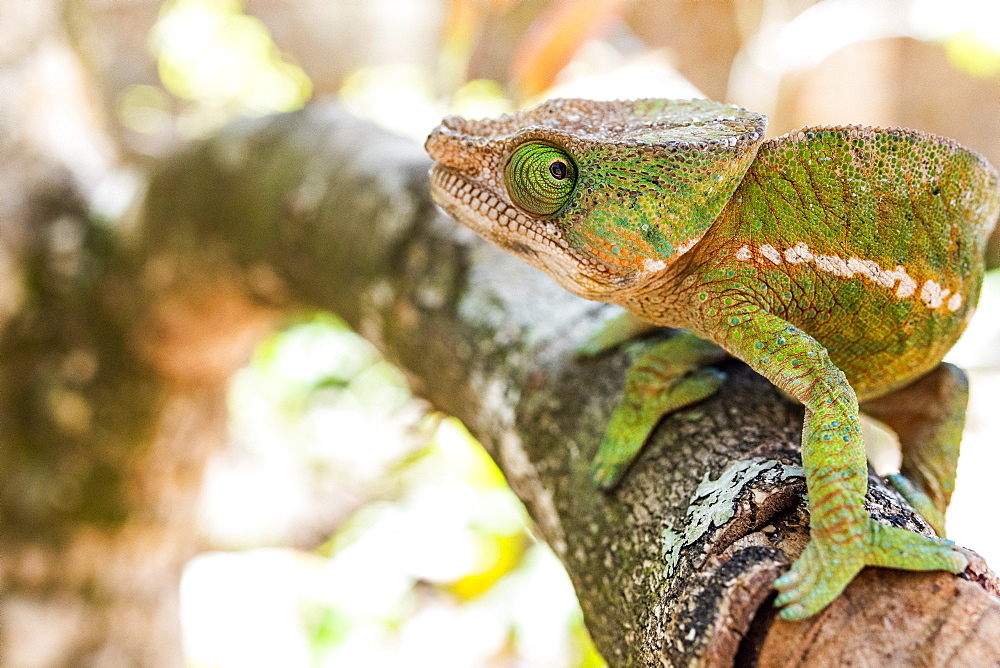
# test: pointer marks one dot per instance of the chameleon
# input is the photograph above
(839, 262)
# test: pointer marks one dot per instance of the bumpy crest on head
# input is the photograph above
(596, 193)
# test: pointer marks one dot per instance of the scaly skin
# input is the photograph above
(841, 263)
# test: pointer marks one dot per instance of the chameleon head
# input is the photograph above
(600, 195)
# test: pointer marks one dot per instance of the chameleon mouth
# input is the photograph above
(538, 242)
(484, 213)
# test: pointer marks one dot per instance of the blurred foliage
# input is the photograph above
(222, 62)
(437, 568)
(969, 51)
(555, 38)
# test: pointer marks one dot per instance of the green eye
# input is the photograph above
(540, 178)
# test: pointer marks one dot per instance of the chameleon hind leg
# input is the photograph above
(668, 376)
(928, 416)
(843, 536)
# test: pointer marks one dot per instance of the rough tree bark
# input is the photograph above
(319, 210)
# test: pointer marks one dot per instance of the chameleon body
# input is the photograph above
(839, 262)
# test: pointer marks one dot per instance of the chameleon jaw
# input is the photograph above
(537, 242)
(481, 211)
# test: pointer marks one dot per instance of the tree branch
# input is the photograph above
(317, 209)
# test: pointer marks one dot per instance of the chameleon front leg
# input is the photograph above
(667, 377)
(843, 536)
(615, 331)
(928, 416)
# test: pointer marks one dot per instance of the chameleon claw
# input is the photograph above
(793, 613)
(784, 583)
(606, 475)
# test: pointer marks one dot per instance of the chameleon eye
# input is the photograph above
(540, 178)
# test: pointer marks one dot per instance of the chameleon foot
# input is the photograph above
(829, 563)
(665, 378)
(637, 415)
(920, 501)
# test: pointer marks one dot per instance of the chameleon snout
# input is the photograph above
(461, 152)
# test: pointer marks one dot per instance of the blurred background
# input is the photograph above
(347, 523)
